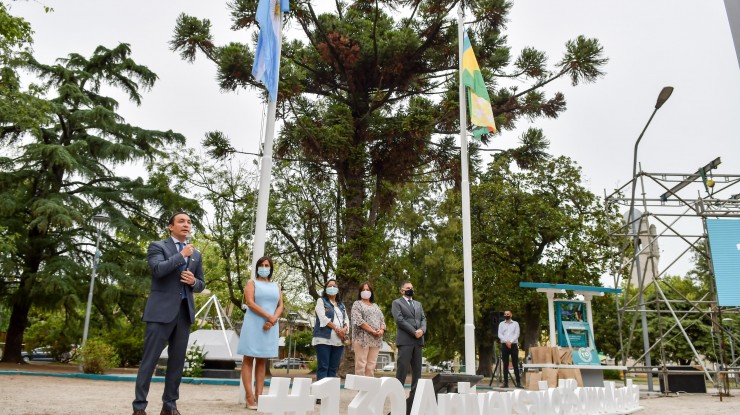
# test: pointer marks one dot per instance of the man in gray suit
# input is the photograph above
(411, 325)
(177, 272)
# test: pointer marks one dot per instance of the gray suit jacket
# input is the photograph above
(165, 264)
(408, 321)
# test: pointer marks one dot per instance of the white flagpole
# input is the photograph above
(263, 195)
(465, 187)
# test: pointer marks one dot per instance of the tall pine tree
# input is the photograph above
(56, 175)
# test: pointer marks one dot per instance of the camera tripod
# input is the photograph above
(498, 370)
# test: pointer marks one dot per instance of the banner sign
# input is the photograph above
(724, 243)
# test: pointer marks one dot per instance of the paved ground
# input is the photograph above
(42, 395)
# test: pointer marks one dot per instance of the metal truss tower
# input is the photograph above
(678, 204)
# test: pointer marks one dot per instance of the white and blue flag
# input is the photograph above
(266, 67)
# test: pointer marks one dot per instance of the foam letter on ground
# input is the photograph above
(365, 402)
(392, 389)
(451, 404)
(424, 402)
(500, 403)
(279, 402)
(555, 400)
(525, 402)
(632, 400)
(327, 389)
(373, 392)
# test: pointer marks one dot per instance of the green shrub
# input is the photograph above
(98, 356)
(313, 365)
(612, 374)
(129, 345)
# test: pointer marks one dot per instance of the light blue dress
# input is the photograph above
(253, 341)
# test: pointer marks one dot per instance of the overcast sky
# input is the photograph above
(650, 44)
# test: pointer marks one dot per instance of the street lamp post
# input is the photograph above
(665, 93)
(291, 319)
(100, 221)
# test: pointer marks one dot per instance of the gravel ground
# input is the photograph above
(41, 395)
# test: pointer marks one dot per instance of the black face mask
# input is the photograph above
(508, 317)
(409, 293)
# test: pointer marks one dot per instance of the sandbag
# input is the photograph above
(541, 355)
(531, 379)
(551, 376)
(571, 374)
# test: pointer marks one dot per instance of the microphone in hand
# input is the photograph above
(187, 242)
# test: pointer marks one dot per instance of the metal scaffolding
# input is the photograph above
(665, 200)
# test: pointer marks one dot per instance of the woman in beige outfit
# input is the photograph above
(368, 327)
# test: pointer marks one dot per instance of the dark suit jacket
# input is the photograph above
(408, 321)
(165, 264)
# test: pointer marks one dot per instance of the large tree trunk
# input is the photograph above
(17, 325)
(485, 334)
(531, 325)
(353, 239)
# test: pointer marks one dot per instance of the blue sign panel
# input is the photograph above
(571, 311)
(724, 241)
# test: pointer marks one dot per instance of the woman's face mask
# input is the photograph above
(263, 272)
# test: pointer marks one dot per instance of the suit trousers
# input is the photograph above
(409, 356)
(514, 353)
(366, 358)
(158, 335)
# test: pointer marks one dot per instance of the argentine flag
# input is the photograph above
(266, 68)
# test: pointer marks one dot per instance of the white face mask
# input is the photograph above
(366, 295)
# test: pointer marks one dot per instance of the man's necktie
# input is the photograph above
(180, 246)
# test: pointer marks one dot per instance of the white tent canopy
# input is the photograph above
(218, 344)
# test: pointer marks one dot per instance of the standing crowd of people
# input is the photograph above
(177, 272)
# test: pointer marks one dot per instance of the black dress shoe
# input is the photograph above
(506, 385)
(172, 411)
(519, 386)
(139, 412)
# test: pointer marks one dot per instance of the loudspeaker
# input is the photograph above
(447, 382)
(684, 382)
(496, 318)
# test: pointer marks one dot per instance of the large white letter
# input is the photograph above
(424, 401)
(279, 402)
(500, 403)
(327, 389)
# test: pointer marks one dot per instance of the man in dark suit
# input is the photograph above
(411, 324)
(177, 273)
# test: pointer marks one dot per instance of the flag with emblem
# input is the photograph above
(481, 113)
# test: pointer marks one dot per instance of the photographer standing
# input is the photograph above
(508, 334)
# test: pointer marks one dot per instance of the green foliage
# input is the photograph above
(53, 331)
(19, 109)
(128, 342)
(301, 341)
(63, 172)
(536, 225)
(369, 97)
(612, 374)
(225, 238)
(97, 356)
(194, 360)
(313, 365)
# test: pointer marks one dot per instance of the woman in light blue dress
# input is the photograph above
(258, 340)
